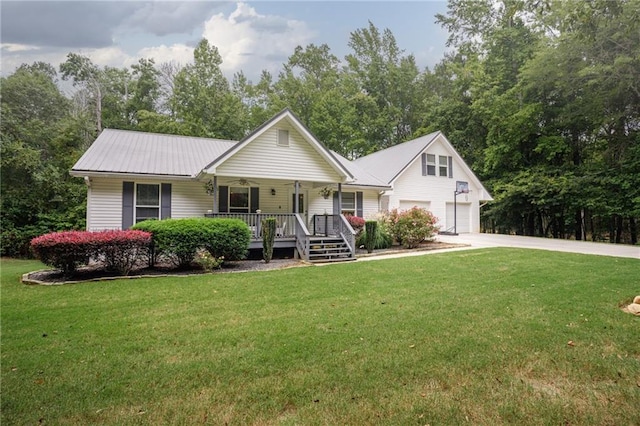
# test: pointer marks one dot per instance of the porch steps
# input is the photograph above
(328, 249)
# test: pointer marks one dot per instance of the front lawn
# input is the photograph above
(495, 336)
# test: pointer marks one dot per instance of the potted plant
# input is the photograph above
(325, 192)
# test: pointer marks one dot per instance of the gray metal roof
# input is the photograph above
(361, 176)
(124, 151)
(388, 163)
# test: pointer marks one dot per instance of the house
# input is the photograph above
(279, 170)
(428, 172)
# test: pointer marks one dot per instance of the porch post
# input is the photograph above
(296, 202)
(215, 194)
(339, 198)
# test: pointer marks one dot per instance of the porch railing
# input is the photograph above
(334, 225)
(285, 223)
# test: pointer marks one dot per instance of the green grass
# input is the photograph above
(476, 336)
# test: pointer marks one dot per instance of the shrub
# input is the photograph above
(176, 239)
(121, 250)
(118, 250)
(371, 230)
(208, 262)
(179, 239)
(229, 238)
(63, 250)
(413, 226)
(268, 238)
(357, 223)
(382, 237)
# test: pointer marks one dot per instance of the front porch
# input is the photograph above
(332, 239)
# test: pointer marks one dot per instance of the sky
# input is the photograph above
(251, 36)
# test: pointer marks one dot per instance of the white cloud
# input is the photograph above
(13, 47)
(251, 42)
(179, 53)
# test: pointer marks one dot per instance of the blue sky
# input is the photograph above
(251, 36)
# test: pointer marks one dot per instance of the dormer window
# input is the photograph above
(283, 137)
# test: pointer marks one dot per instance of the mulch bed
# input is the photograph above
(95, 273)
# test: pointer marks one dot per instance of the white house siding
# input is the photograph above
(264, 158)
(436, 190)
(104, 204)
(189, 199)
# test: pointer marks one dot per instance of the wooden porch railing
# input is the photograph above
(285, 223)
(291, 226)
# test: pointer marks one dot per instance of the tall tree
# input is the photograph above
(203, 99)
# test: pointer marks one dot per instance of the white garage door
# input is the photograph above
(408, 204)
(463, 218)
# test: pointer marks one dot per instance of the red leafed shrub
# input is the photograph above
(357, 223)
(63, 250)
(119, 250)
(413, 226)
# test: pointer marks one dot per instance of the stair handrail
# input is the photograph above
(302, 237)
(348, 234)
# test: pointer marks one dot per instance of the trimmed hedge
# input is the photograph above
(179, 239)
(119, 250)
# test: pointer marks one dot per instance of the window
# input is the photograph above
(239, 199)
(349, 203)
(431, 165)
(283, 137)
(443, 162)
(147, 202)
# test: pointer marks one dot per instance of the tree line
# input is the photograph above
(540, 98)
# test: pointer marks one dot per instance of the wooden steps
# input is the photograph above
(329, 249)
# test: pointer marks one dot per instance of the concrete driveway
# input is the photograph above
(584, 247)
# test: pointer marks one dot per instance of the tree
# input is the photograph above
(202, 97)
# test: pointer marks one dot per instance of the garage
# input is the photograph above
(463, 217)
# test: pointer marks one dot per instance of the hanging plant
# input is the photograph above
(208, 186)
(325, 192)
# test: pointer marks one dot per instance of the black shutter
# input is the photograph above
(165, 201)
(223, 200)
(336, 207)
(254, 199)
(359, 204)
(127, 205)
(450, 167)
(424, 164)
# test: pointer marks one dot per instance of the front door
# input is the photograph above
(302, 206)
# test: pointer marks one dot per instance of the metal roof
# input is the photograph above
(361, 177)
(125, 151)
(389, 163)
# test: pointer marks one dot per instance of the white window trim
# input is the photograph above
(148, 206)
(444, 166)
(283, 137)
(432, 164)
(351, 211)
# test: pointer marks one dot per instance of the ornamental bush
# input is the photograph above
(179, 240)
(357, 223)
(371, 230)
(63, 250)
(382, 237)
(228, 238)
(413, 226)
(268, 238)
(118, 250)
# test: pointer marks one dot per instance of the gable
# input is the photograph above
(263, 155)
